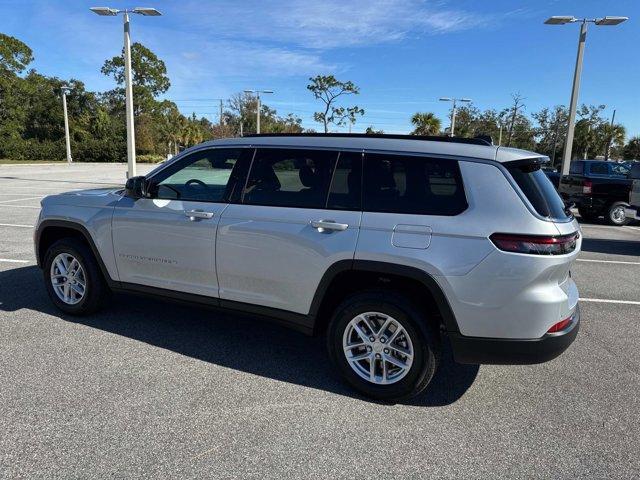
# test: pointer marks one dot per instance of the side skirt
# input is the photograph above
(294, 321)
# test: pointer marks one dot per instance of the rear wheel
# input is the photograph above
(615, 214)
(73, 279)
(382, 346)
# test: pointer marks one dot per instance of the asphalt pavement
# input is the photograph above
(161, 390)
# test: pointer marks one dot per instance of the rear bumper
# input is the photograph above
(632, 212)
(506, 351)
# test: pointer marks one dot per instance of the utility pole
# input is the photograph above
(555, 144)
(586, 146)
(258, 92)
(67, 139)
(608, 147)
(258, 114)
(131, 138)
(221, 118)
(562, 20)
(453, 111)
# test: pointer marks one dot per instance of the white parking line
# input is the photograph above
(19, 206)
(609, 227)
(607, 261)
(603, 300)
(16, 194)
(20, 199)
(15, 225)
(11, 260)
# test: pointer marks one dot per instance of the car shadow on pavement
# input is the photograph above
(615, 247)
(240, 342)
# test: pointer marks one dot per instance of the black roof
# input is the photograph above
(471, 141)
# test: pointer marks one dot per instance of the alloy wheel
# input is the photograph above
(378, 348)
(68, 278)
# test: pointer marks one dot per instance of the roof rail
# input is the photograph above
(472, 141)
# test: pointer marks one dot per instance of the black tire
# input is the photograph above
(587, 215)
(96, 293)
(424, 337)
(613, 214)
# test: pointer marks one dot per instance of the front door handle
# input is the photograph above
(198, 214)
(328, 225)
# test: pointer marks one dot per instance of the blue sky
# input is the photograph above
(403, 54)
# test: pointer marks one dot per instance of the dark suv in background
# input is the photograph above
(598, 188)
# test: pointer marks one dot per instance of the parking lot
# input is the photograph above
(153, 389)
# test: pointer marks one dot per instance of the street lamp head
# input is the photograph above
(147, 11)
(465, 100)
(267, 91)
(105, 11)
(444, 99)
(611, 20)
(248, 91)
(559, 20)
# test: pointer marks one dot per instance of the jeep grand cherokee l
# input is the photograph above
(390, 245)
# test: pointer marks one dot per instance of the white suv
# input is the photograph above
(391, 245)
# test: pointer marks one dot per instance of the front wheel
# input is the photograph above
(615, 214)
(382, 346)
(73, 279)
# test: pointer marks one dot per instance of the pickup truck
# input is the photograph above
(598, 188)
(633, 211)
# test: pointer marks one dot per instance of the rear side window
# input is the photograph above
(577, 168)
(635, 171)
(538, 189)
(599, 169)
(412, 184)
(290, 178)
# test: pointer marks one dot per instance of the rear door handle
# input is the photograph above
(328, 225)
(198, 214)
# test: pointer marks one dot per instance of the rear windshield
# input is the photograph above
(538, 189)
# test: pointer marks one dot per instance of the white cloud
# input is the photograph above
(332, 23)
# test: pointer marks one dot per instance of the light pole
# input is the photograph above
(258, 92)
(131, 138)
(67, 140)
(562, 20)
(453, 110)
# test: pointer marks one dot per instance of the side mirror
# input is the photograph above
(136, 187)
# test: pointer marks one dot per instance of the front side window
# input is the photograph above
(203, 176)
(412, 184)
(290, 178)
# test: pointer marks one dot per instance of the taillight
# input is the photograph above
(534, 244)
(561, 325)
(586, 186)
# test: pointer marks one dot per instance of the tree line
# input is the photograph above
(32, 125)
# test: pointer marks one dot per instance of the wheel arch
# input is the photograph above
(346, 277)
(49, 231)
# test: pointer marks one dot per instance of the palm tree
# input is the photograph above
(426, 124)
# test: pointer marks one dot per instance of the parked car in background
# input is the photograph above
(390, 245)
(553, 175)
(633, 211)
(598, 188)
